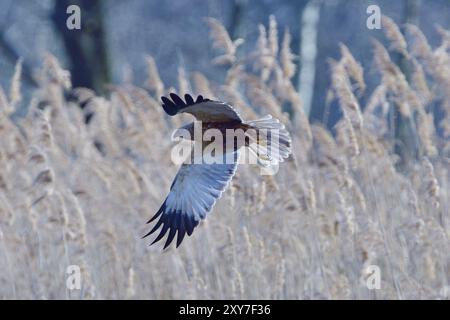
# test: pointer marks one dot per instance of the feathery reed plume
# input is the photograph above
(201, 84)
(393, 33)
(230, 246)
(43, 185)
(131, 291)
(55, 74)
(248, 243)
(5, 106)
(14, 93)
(273, 36)
(89, 290)
(83, 95)
(347, 213)
(154, 81)
(237, 284)
(261, 197)
(426, 132)
(77, 224)
(445, 34)
(268, 102)
(264, 58)
(221, 40)
(359, 195)
(419, 83)
(280, 279)
(352, 146)
(234, 75)
(431, 183)
(262, 250)
(62, 219)
(419, 47)
(325, 148)
(286, 56)
(7, 215)
(395, 81)
(236, 98)
(37, 156)
(376, 99)
(343, 90)
(183, 82)
(44, 133)
(354, 69)
(445, 122)
(311, 197)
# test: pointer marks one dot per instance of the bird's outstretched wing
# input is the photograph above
(193, 193)
(202, 109)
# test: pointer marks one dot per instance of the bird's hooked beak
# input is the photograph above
(181, 133)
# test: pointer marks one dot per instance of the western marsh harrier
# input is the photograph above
(196, 187)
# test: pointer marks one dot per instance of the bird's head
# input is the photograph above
(185, 132)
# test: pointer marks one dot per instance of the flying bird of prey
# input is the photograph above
(197, 186)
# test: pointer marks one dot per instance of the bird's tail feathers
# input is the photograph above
(272, 143)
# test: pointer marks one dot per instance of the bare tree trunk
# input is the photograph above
(236, 26)
(407, 146)
(308, 51)
(85, 48)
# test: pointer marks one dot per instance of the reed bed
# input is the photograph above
(73, 193)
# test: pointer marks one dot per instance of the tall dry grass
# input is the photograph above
(72, 193)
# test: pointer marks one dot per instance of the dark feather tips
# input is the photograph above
(175, 103)
(176, 222)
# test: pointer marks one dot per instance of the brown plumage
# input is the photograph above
(196, 187)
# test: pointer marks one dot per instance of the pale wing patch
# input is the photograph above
(192, 196)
